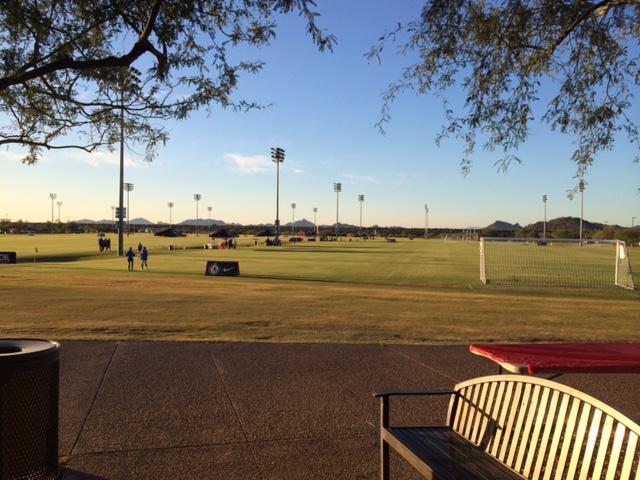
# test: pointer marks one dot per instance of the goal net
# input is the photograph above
(555, 262)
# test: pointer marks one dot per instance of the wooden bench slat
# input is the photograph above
(546, 434)
(618, 440)
(591, 443)
(481, 413)
(568, 436)
(486, 419)
(522, 413)
(629, 456)
(513, 411)
(533, 406)
(449, 455)
(530, 447)
(501, 416)
(508, 426)
(555, 441)
(578, 441)
(605, 437)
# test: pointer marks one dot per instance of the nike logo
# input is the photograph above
(227, 269)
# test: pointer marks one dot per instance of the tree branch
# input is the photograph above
(590, 11)
(139, 48)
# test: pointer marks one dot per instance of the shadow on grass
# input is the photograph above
(60, 258)
(292, 249)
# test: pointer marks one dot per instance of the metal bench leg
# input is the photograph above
(384, 446)
(384, 460)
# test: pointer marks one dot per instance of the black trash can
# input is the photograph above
(29, 409)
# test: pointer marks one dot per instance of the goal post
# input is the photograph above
(555, 262)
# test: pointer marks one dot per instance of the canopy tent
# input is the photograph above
(265, 233)
(223, 233)
(170, 232)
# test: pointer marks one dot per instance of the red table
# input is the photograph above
(557, 358)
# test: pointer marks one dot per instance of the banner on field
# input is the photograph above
(222, 269)
(8, 257)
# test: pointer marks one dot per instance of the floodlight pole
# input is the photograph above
(170, 205)
(426, 221)
(209, 208)
(113, 215)
(581, 187)
(277, 156)
(197, 197)
(337, 187)
(293, 220)
(315, 223)
(53, 197)
(361, 200)
(633, 221)
(544, 225)
(59, 203)
(128, 187)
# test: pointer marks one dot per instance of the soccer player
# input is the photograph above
(130, 256)
(144, 255)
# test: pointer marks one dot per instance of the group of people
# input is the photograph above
(228, 244)
(104, 244)
(144, 256)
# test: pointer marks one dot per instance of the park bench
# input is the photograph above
(515, 427)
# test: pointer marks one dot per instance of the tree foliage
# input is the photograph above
(67, 67)
(501, 52)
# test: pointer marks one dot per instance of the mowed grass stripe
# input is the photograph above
(111, 306)
(361, 291)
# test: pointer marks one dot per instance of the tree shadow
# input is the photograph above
(69, 474)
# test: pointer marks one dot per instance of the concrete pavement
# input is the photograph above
(161, 410)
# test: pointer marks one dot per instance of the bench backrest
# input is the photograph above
(544, 430)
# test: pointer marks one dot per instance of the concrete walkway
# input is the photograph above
(256, 411)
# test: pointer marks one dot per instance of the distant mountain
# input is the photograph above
(140, 221)
(568, 224)
(303, 223)
(85, 221)
(105, 222)
(205, 222)
(342, 225)
(501, 226)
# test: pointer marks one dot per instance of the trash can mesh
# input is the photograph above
(29, 422)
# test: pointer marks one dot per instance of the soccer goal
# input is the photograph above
(555, 262)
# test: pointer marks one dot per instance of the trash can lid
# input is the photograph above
(13, 350)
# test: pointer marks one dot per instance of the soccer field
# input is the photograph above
(412, 291)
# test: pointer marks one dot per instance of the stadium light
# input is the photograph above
(581, 188)
(544, 224)
(197, 197)
(426, 221)
(53, 197)
(128, 187)
(170, 205)
(209, 208)
(337, 187)
(315, 223)
(361, 200)
(293, 219)
(277, 157)
(59, 204)
(633, 221)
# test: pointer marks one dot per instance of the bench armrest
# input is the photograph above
(403, 393)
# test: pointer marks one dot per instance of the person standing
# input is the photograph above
(130, 256)
(144, 255)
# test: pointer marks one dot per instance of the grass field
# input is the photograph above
(413, 291)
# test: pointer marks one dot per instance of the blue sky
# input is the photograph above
(323, 110)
